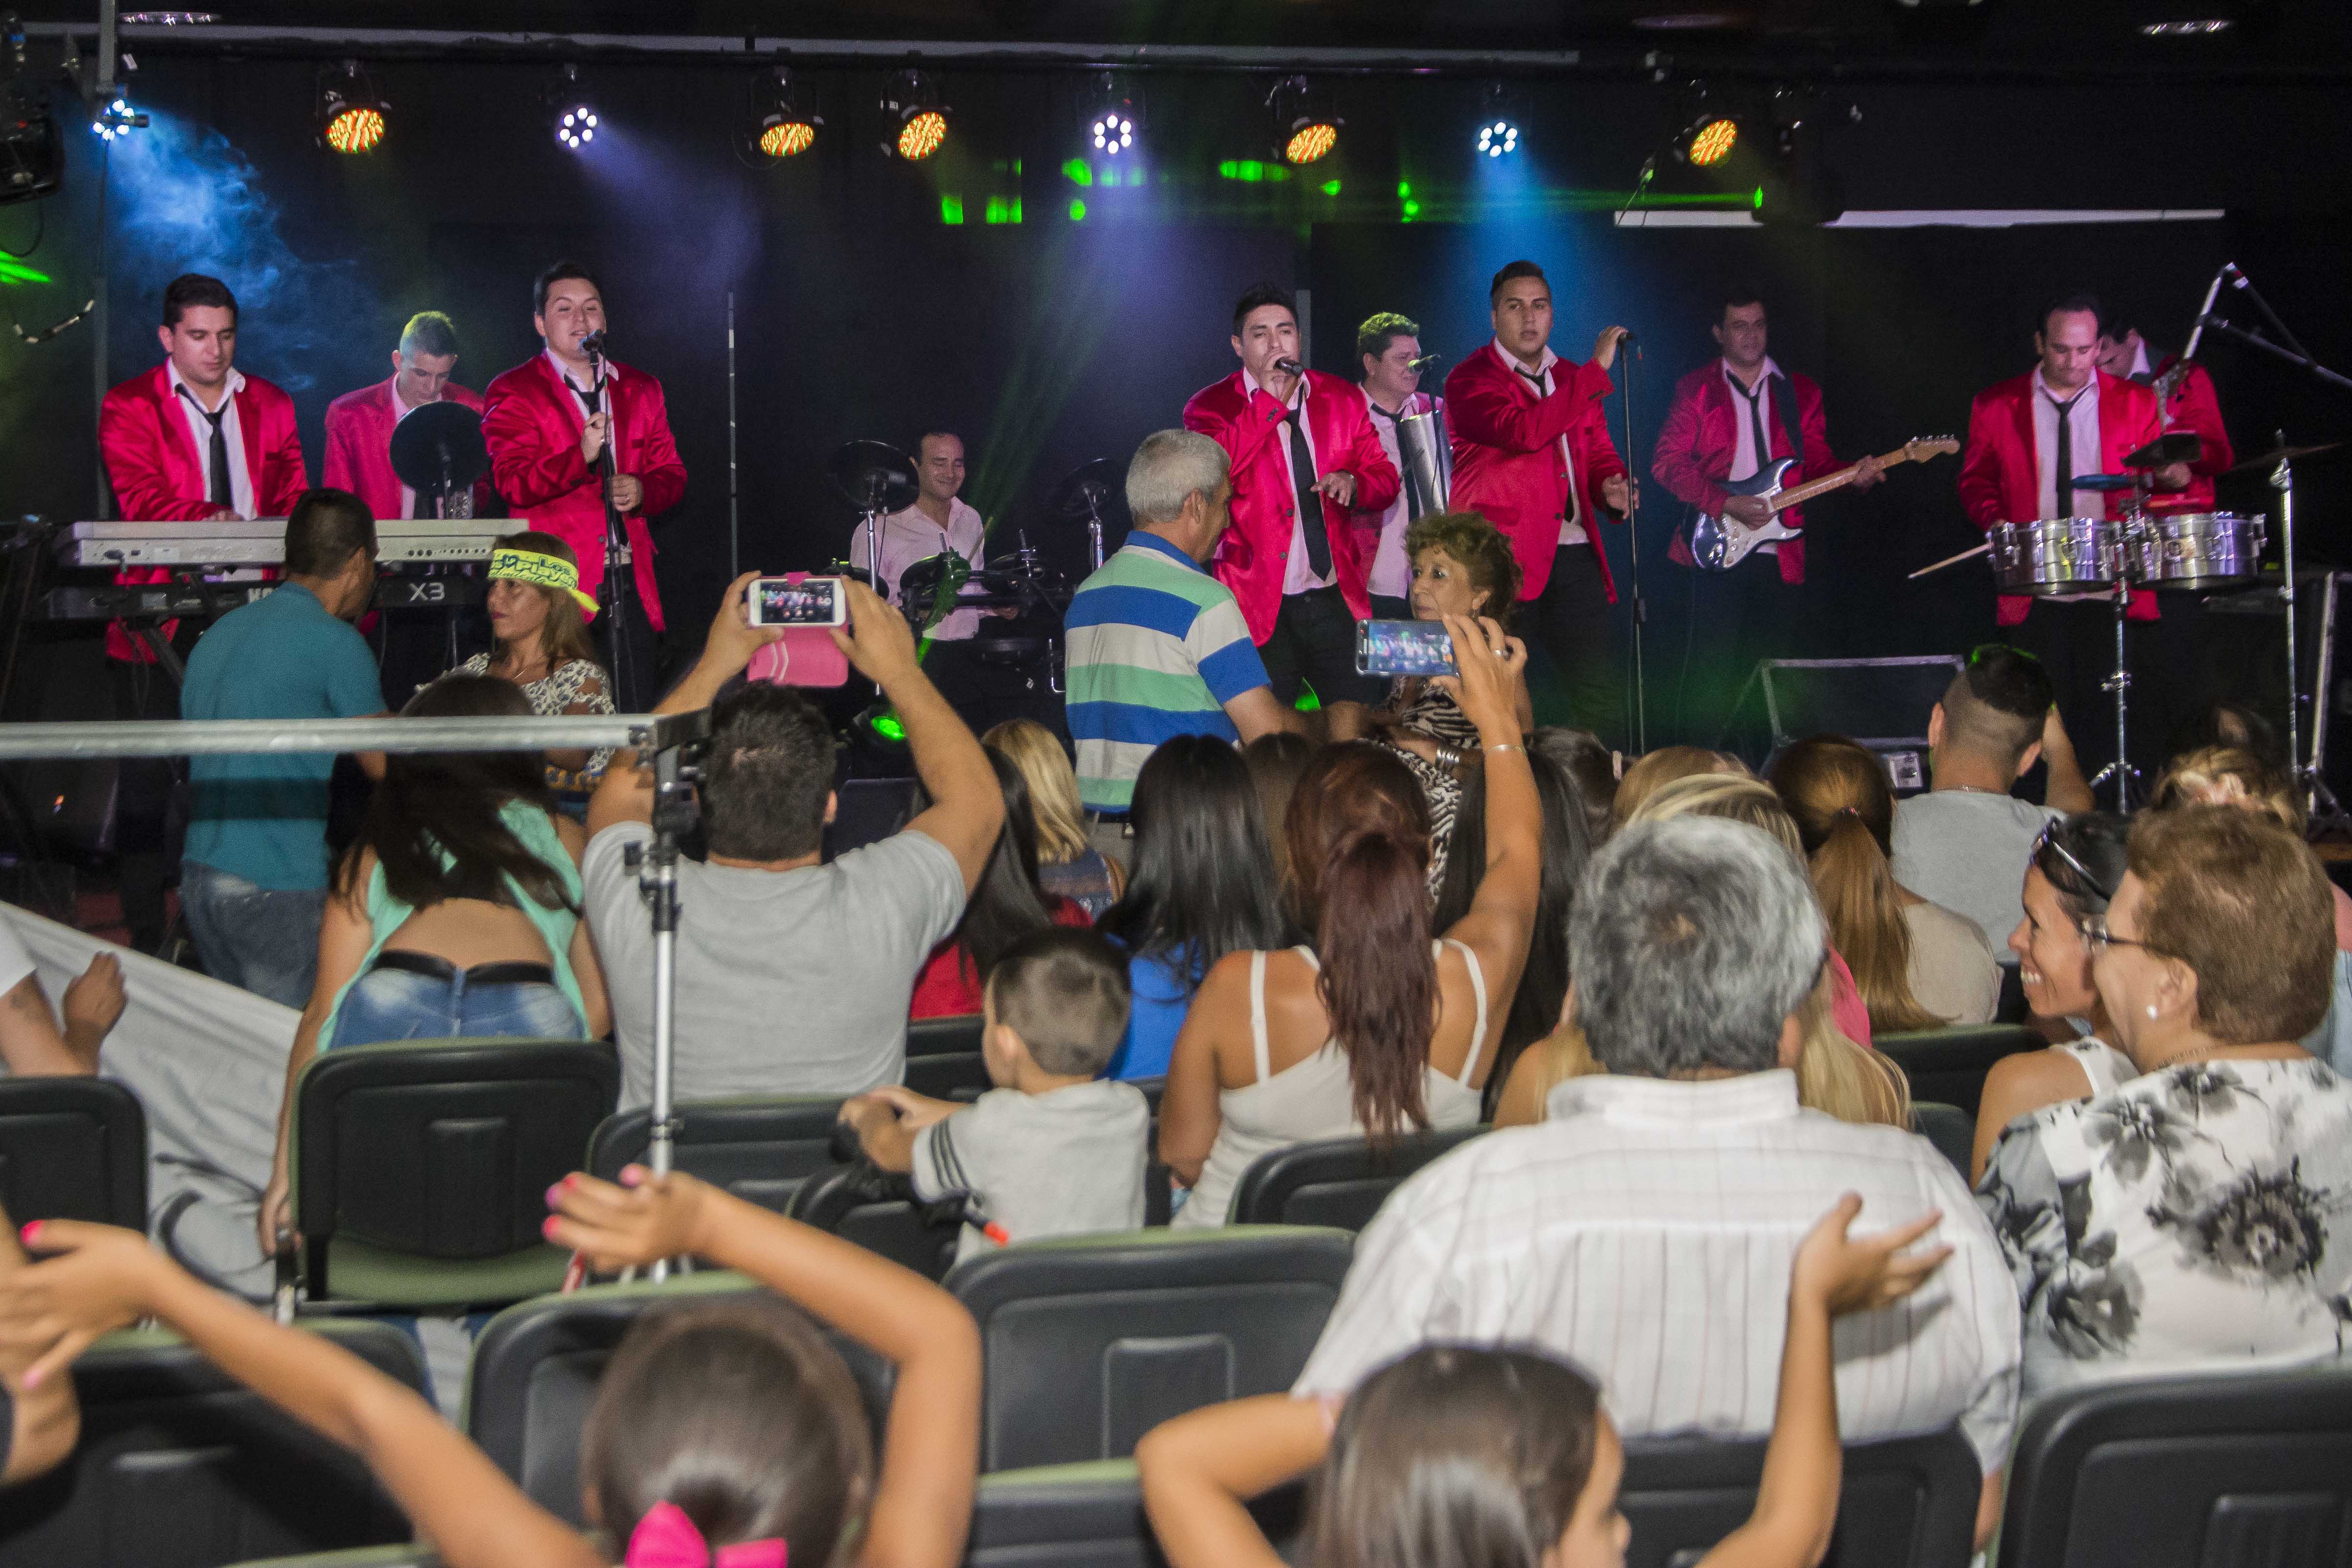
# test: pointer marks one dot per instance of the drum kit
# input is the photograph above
(2193, 552)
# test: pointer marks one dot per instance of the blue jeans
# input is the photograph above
(264, 939)
(395, 1004)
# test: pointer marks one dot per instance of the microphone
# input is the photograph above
(593, 345)
(1290, 368)
(2212, 292)
(1423, 364)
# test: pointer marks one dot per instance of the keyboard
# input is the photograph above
(420, 542)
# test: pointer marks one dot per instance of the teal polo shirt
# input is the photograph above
(255, 815)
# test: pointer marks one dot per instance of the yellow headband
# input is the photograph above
(540, 572)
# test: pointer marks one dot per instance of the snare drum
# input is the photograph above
(2197, 550)
(2057, 555)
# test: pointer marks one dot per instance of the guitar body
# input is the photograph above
(1720, 543)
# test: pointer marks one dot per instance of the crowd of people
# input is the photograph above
(1663, 980)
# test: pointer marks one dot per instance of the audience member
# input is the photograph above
(1276, 763)
(2193, 1218)
(1459, 1455)
(539, 631)
(1007, 904)
(1592, 767)
(1918, 965)
(2077, 865)
(40, 1422)
(793, 976)
(1693, 943)
(720, 1428)
(1156, 646)
(1462, 565)
(2236, 727)
(253, 877)
(1202, 886)
(2234, 775)
(1067, 865)
(1961, 844)
(1655, 770)
(1377, 1029)
(33, 1044)
(1054, 1149)
(454, 914)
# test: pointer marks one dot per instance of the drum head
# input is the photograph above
(2056, 555)
(2198, 553)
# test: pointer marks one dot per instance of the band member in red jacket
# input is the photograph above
(1729, 418)
(2065, 418)
(360, 424)
(1388, 351)
(1531, 454)
(2193, 407)
(1311, 482)
(547, 423)
(193, 440)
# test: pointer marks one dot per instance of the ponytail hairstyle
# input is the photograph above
(1457, 1456)
(1008, 902)
(1837, 794)
(1359, 833)
(740, 1414)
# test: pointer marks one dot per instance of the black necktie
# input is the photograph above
(587, 399)
(1413, 504)
(1310, 500)
(2062, 477)
(1755, 424)
(217, 490)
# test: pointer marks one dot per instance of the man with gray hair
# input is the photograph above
(1156, 646)
(1648, 1226)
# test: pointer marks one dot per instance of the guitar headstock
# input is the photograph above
(1919, 448)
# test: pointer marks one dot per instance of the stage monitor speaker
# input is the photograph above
(1882, 702)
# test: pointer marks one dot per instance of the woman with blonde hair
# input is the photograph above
(539, 626)
(1066, 864)
(1653, 771)
(2235, 776)
(1918, 965)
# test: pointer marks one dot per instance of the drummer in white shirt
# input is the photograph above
(938, 523)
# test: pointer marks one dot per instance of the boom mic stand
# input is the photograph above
(620, 573)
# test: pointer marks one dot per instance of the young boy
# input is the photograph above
(1050, 1151)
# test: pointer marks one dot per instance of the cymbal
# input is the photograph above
(875, 475)
(436, 438)
(2105, 482)
(2278, 454)
(2173, 447)
(1082, 493)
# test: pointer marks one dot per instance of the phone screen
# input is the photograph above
(1403, 648)
(812, 601)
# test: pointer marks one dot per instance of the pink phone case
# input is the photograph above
(806, 656)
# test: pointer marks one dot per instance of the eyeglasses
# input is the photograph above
(2048, 840)
(2098, 939)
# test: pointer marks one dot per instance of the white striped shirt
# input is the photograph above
(1647, 1230)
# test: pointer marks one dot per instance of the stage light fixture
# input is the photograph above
(117, 120)
(916, 119)
(353, 115)
(1709, 141)
(783, 121)
(32, 153)
(1498, 131)
(570, 113)
(2200, 27)
(1111, 122)
(1305, 129)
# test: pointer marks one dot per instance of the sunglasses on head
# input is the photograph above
(2048, 840)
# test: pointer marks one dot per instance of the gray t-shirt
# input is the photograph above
(791, 982)
(1063, 1163)
(1967, 850)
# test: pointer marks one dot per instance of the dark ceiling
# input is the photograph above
(2275, 39)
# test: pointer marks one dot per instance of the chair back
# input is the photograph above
(425, 1164)
(535, 1369)
(1949, 1065)
(1339, 1182)
(851, 1204)
(2219, 1470)
(943, 1058)
(72, 1148)
(1952, 1130)
(180, 1465)
(1087, 1342)
(758, 1147)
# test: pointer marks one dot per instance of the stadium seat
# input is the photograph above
(1088, 1343)
(535, 1369)
(1339, 1182)
(1091, 1515)
(943, 1057)
(180, 1467)
(72, 1148)
(1952, 1130)
(1949, 1065)
(2224, 1470)
(878, 1213)
(758, 1147)
(421, 1167)
(416, 1554)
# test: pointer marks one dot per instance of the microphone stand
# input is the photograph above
(620, 582)
(1632, 351)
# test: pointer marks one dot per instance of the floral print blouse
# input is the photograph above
(2196, 1218)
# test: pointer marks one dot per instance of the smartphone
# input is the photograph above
(1403, 648)
(798, 600)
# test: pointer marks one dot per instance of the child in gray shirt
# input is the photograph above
(1051, 1150)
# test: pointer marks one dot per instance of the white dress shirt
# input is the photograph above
(1391, 575)
(2084, 421)
(1571, 526)
(1647, 1230)
(1745, 459)
(401, 410)
(200, 430)
(1298, 577)
(910, 536)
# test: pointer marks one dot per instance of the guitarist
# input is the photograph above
(1729, 418)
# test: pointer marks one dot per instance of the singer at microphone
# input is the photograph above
(1388, 353)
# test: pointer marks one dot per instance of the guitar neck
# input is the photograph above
(1837, 481)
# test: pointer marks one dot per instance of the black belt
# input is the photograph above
(507, 972)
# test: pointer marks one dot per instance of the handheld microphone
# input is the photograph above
(1290, 367)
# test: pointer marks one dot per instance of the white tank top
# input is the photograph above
(2102, 1063)
(1313, 1099)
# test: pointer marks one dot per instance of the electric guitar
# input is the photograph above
(1720, 543)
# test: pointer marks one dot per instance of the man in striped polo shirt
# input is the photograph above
(1157, 647)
